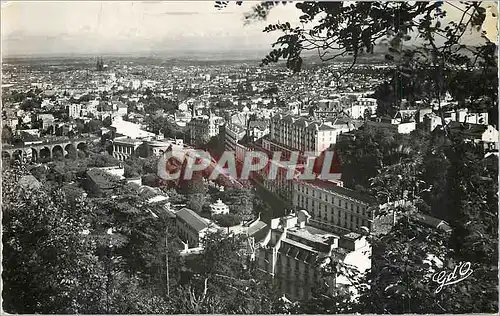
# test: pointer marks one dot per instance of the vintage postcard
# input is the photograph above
(243, 157)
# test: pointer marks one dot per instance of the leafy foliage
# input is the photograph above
(223, 281)
(48, 265)
(227, 220)
(239, 200)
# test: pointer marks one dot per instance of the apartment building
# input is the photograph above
(361, 107)
(290, 133)
(293, 253)
(202, 126)
(74, 110)
(257, 129)
(333, 207)
(233, 133)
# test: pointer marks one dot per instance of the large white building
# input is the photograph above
(362, 106)
(293, 252)
(74, 110)
(307, 138)
(298, 133)
(219, 208)
(333, 207)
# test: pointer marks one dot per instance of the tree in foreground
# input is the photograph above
(56, 260)
(402, 257)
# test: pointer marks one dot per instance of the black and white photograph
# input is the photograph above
(249, 157)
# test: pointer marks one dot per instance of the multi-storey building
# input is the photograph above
(47, 120)
(74, 110)
(361, 107)
(257, 129)
(293, 254)
(288, 133)
(11, 121)
(308, 139)
(333, 207)
(233, 133)
(204, 126)
(219, 207)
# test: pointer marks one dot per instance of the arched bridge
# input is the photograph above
(45, 148)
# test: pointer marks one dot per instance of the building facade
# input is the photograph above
(191, 227)
(204, 126)
(74, 110)
(293, 254)
(304, 135)
(124, 147)
(332, 207)
(218, 208)
(233, 133)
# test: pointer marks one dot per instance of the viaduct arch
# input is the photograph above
(44, 150)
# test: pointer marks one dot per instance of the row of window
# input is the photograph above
(303, 200)
(294, 290)
(349, 222)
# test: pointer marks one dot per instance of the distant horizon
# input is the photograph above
(197, 54)
(128, 28)
(170, 53)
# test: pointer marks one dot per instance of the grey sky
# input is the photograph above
(108, 27)
(100, 27)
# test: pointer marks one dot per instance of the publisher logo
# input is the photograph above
(444, 278)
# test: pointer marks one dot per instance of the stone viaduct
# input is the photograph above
(45, 148)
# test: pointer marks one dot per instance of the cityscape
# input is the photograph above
(351, 167)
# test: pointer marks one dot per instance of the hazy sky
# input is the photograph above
(99, 27)
(108, 27)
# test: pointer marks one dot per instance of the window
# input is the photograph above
(340, 203)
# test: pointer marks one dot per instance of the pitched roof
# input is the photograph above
(104, 180)
(260, 124)
(258, 230)
(469, 129)
(432, 222)
(192, 219)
